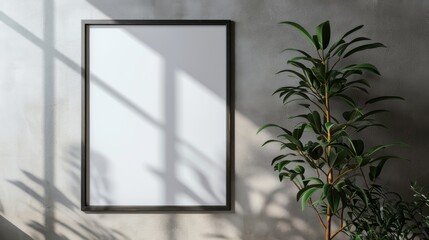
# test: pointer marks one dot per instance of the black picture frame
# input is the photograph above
(229, 158)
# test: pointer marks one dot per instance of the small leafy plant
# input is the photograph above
(332, 168)
(389, 217)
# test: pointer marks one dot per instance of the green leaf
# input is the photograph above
(372, 113)
(337, 159)
(361, 193)
(305, 105)
(370, 125)
(364, 66)
(297, 50)
(335, 45)
(281, 157)
(323, 32)
(328, 125)
(299, 75)
(341, 40)
(316, 152)
(363, 47)
(347, 100)
(297, 132)
(302, 30)
(316, 121)
(304, 189)
(383, 158)
(358, 146)
(318, 180)
(344, 46)
(292, 140)
(319, 72)
(299, 169)
(307, 195)
(316, 42)
(333, 197)
(359, 160)
(272, 141)
(383, 98)
(332, 157)
(283, 175)
(273, 125)
(352, 31)
(310, 59)
(351, 115)
(281, 165)
(379, 147)
(360, 81)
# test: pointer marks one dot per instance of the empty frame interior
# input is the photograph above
(157, 116)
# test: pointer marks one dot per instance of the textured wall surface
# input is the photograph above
(40, 110)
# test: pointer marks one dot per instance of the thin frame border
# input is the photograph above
(85, 206)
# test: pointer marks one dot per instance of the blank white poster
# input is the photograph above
(157, 115)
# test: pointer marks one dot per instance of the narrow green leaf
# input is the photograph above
(370, 125)
(360, 81)
(346, 99)
(379, 147)
(297, 50)
(304, 189)
(383, 98)
(343, 48)
(363, 47)
(310, 59)
(293, 140)
(307, 195)
(361, 193)
(364, 66)
(281, 157)
(318, 180)
(301, 29)
(273, 125)
(341, 40)
(323, 32)
(352, 31)
(372, 113)
(272, 141)
(299, 75)
(305, 105)
(335, 45)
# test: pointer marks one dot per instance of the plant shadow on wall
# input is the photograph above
(52, 199)
(264, 209)
(80, 226)
(51, 195)
(324, 156)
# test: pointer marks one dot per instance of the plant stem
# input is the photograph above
(318, 214)
(330, 175)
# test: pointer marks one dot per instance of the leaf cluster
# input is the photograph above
(389, 217)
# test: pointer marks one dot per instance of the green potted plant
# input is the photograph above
(323, 156)
(389, 217)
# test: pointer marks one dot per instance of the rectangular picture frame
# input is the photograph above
(157, 116)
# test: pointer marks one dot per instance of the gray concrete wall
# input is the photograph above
(40, 106)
